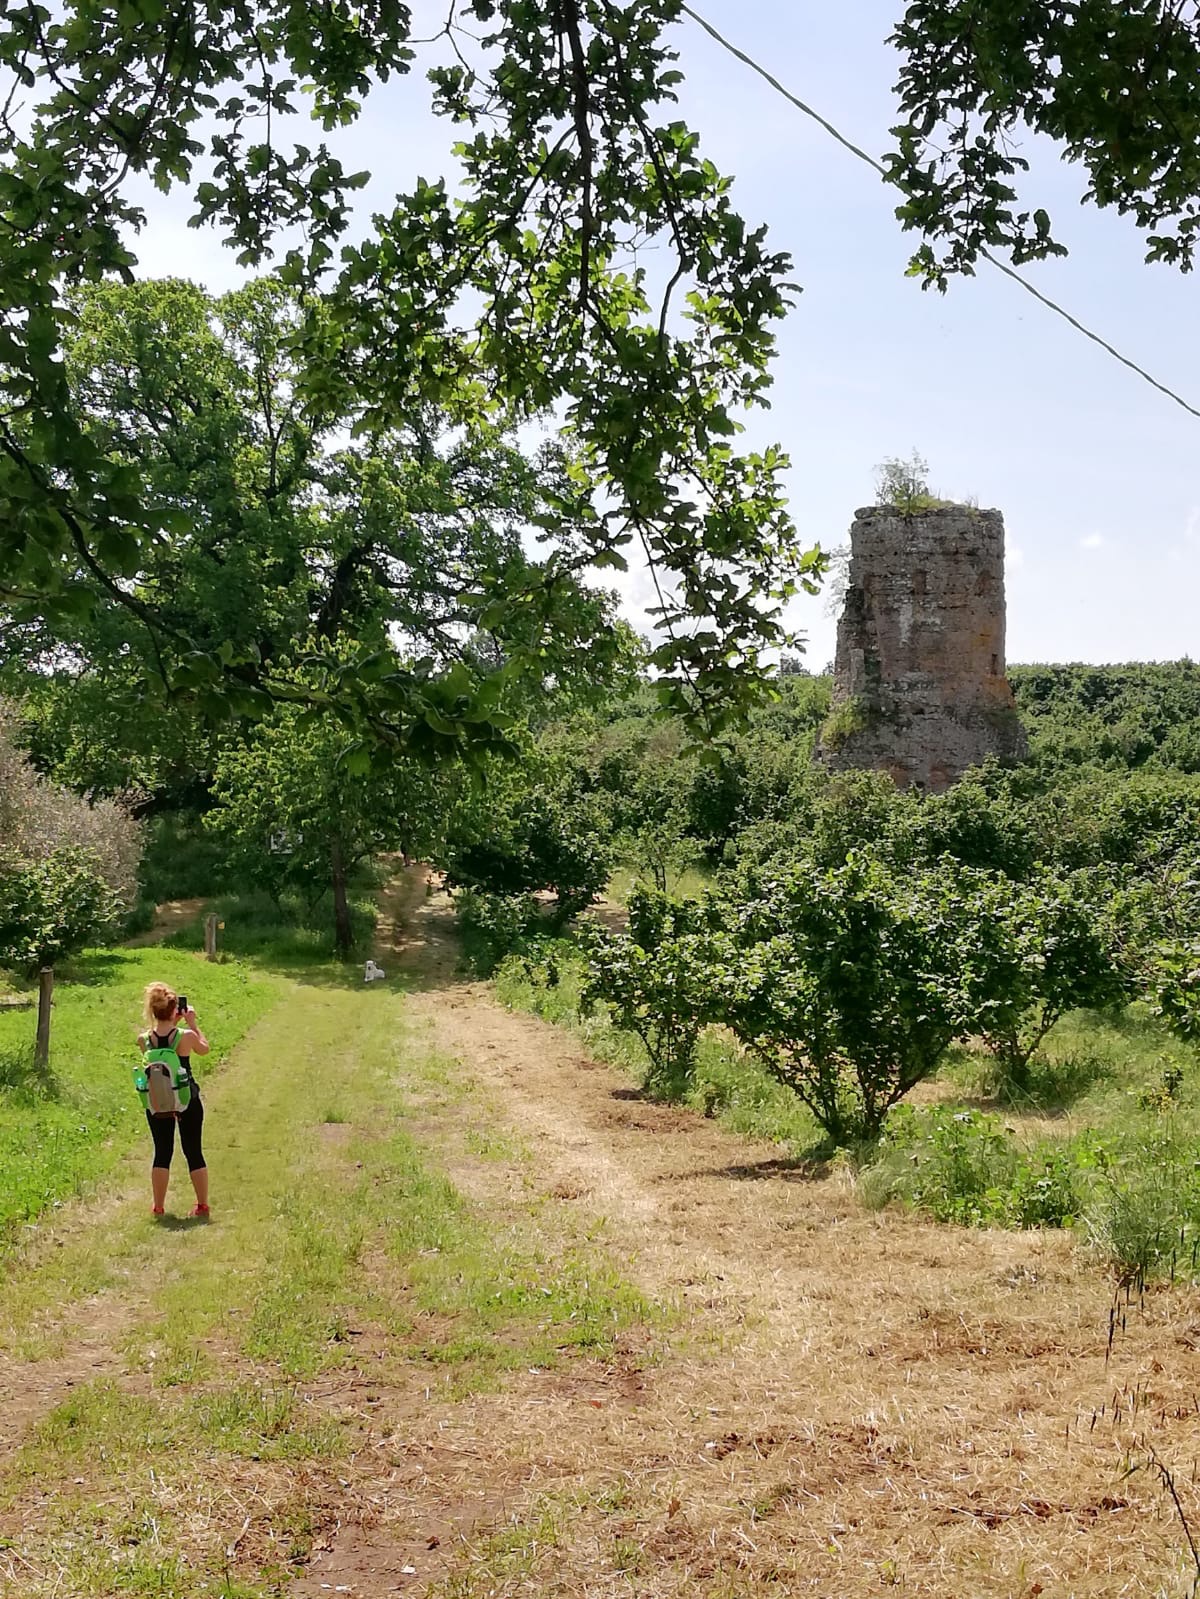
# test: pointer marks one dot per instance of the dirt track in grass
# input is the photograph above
(829, 1401)
(850, 1401)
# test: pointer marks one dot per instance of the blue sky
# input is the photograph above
(1097, 475)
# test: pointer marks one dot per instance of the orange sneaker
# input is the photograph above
(201, 1210)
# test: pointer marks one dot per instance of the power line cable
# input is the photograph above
(876, 166)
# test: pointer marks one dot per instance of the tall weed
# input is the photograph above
(964, 1166)
(1143, 1219)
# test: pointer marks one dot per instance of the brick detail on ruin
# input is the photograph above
(919, 684)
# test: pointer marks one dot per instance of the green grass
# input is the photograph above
(689, 883)
(332, 1223)
(284, 937)
(60, 1133)
(244, 1421)
(491, 1290)
(508, 1561)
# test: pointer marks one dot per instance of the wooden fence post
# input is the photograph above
(41, 1051)
(210, 937)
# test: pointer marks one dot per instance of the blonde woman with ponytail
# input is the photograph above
(172, 1028)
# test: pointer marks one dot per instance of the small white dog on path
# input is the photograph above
(372, 973)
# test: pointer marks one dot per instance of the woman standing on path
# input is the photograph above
(165, 1032)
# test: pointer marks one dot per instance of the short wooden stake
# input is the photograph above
(210, 937)
(41, 1052)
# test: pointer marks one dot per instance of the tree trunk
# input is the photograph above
(343, 936)
(41, 1051)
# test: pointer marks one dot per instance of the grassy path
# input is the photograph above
(473, 1320)
(191, 1409)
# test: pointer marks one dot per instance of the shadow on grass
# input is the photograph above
(305, 973)
(313, 970)
(434, 979)
(1052, 1087)
(181, 1224)
(811, 1166)
(286, 956)
(23, 1083)
(1135, 1021)
(94, 968)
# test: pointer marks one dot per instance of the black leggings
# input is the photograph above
(191, 1123)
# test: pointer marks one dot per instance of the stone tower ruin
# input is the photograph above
(919, 685)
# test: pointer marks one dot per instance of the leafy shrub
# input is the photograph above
(1164, 909)
(657, 981)
(1111, 715)
(140, 919)
(903, 485)
(184, 860)
(494, 925)
(1176, 980)
(953, 1163)
(52, 906)
(845, 719)
(1039, 950)
(548, 979)
(846, 983)
(1163, 1095)
(1045, 1189)
(982, 821)
(531, 839)
(659, 851)
(825, 817)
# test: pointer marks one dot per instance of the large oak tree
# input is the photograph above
(401, 556)
(522, 296)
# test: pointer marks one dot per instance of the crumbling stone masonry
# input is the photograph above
(919, 684)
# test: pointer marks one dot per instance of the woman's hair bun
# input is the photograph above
(160, 1002)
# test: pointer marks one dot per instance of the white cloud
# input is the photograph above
(1014, 556)
(1093, 541)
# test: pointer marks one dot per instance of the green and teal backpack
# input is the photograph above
(163, 1081)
